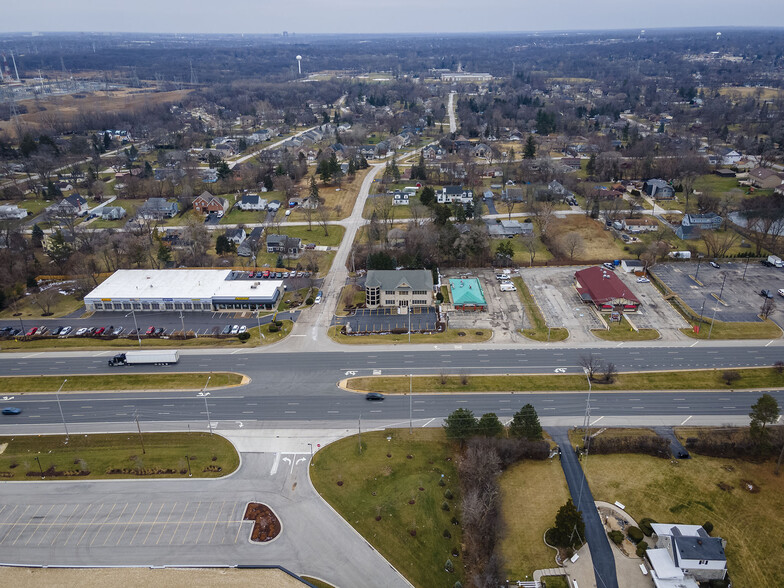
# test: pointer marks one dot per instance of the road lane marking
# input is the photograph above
(686, 420)
(428, 422)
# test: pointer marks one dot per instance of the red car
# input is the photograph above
(150, 331)
(31, 332)
(100, 331)
(266, 274)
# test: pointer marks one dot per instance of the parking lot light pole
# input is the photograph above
(410, 404)
(135, 324)
(188, 461)
(722, 286)
(182, 322)
(697, 273)
(745, 268)
(60, 406)
(207, 408)
(701, 309)
(712, 321)
(39, 466)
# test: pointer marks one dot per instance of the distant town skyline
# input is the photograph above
(381, 16)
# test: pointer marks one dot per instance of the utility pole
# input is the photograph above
(207, 408)
(410, 404)
(138, 428)
(359, 428)
(722, 285)
(745, 268)
(60, 406)
(182, 322)
(712, 321)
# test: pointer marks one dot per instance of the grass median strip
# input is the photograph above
(108, 382)
(448, 336)
(116, 456)
(681, 380)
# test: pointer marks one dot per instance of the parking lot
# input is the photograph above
(387, 319)
(741, 297)
(123, 524)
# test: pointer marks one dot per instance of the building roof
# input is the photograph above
(602, 286)
(399, 279)
(662, 564)
(159, 204)
(467, 291)
(633, 263)
(250, 199)
(699, 548)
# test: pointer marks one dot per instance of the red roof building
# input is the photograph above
(604, 289)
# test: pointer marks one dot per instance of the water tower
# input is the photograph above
(299, 64)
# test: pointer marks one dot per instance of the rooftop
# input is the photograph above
(467, 291)
(397, 279)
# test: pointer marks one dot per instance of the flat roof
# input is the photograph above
(181, 284)
(467, 291)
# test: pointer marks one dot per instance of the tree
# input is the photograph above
(569, 526)
(525, 424)
(223, 245)
(428, 196)
(591, 364)
(164, 255)
(768, 306)
(530, 244)
(505, 249)
(763, 412)
(572, 242)
(45, 299)
(489, 425)
(37, 236)
(529, 152)
(313, 200)
(460, 425)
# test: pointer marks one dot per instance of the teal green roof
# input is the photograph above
(467, 291)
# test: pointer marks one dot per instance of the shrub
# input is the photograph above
(278, 324)
(708, 526)
(645, 526)
(445, 506)
(616, 537)
(642, 546)
(243, 336)
(652, 445)
(447, 534)
(458, 584)
(635, 534)
(309, 301)
(449, 566)
(448, 494)
(441, 482)
(273, 328)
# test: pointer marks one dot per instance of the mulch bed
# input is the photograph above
(266, 525)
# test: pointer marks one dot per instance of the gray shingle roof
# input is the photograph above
(397, 279)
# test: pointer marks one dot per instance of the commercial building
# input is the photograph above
(401, 288)
(467, 294)
(182, 289)
(603, 288)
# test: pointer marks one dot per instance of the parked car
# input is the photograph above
(149, 331)
(374, 396)
(226, 330)
(642, 280)
(159, 331)
(65, 331)
(714, 264)
(31, 332)
(116, 332)
(56, 331)
(609, 265)
(310, 246)
(266, 274)
(251, 274)
(235, 329)
(278, 275)
(317, 300)
(81, 331)
(781, 291)
(99, 331)
(91, 331)
(12, 410)
(766, 294)
(243, 328)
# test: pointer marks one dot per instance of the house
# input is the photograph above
(658, 189)
(709, 221)
(288, 246)
(632, 266)
(433, 153)
(601, 287)
(236, 236)
(400, 198)
(481, 150)
(728, 156)
(506, 229)
(12, 211)
(686, 553)
(273, 205)
(206, 203)
(250, 245)
(451, 194)
(112, 212)
(157, 208)
(639, 225)
(512, 195)
(252, 202)
(725, 173)
(69, 239)
(73, 205)
(688, 233)
(175, 238)
(559, 189)
(765, 178)
(399, 288)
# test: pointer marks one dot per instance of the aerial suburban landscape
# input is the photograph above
(344, 308)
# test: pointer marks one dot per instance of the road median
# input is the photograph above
(177, 381)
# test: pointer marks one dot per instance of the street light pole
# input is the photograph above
(60, 406)
(207, 408)
(39, 466)
(182, 322)
(722, 285)
(410, 404)
(135, 324)
(697, 273)
(712, 321)
(188, 460)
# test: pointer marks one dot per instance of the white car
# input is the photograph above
(642, 280)
(65, 331)
(243, 328)
(781, 291)
(81, 331)
(235, 329)
(317, 300)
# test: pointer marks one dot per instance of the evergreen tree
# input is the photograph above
(352, 168)
(525, 424)
(530, 148)
(763, 412)
(164, 254)
(460, 425)
(569, 526)
(314, 191)
(489, 425)
(37, 236)
(223, 245)
(591, 167)
(428, 196)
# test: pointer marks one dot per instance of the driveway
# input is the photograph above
(189, 522)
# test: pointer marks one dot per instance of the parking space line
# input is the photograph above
(12, 513)
(191, 523)
(168, 518)
(52, 524)
(116, 522)
(39, 526)
(107, 518)
(144, 518)
(89, 526)
(129, 523)
(230, 519)
(176, 528)
(204, 522)
(76, 525)
(19, 518)
(217, 520)
(152, 525)
(64, 526)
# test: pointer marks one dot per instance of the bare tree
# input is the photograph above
(572, 242)
(609, 372)
(384, 209)
(718, 243)
(530, 243)
(45, 299)
(591, 364)
(768, 306)
(322, 212)
(543, 214)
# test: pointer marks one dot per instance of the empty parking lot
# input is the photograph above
(387, 319)
(126, 524)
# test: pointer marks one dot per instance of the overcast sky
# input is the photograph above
(380, 16)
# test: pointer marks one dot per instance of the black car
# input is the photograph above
(766, 294)
(159, 331)
(56, 331)
(226, 330)
(374, 396)
(12, 410)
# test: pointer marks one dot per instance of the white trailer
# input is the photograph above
(161, 357)
(775, 260)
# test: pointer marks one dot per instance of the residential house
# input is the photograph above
(288, 246)
(175, 239)
(632, 266)
(658, 189)
(766, 178)
(251, 245)
(433, 152)
(168, 173)
(399, 288)
(506, 229)
(157, 208)
(252, 202)
(452, 194)
(12, 211)
(512, 195)
(709, 221)
(273, 205)
(639, 225)
(73, 205)
(559, 189)
(686, 553)
(206, 203)
(728, 156)
(112, 212)
(400, 198)
(236, 236)
(481, 150)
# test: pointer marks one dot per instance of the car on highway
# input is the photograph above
(243, 328)
(642, 280)
(374, 396)
(235, 329)
(31, 332)
(81, 331)
(12, 410)
(714, 264)
(226, 330)
(65, 331)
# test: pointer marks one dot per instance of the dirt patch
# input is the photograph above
(749, 486)
(266, 525)
(724, 486)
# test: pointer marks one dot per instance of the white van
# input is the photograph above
(508, 287)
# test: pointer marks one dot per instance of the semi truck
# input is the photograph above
(145, 357)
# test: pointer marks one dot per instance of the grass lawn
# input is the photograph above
(120, 381)
(65, 304)
(539, 332)
(445, 294)
(338, 200)
(697, 380)
(448, 336)
(402, 211)
(721, 330)
(576, 436)
(101, 452)
(317, 583)
(396, 481)
(296, 299)
(531, 494)
(686, 491)
(521, 255)
(316, 234)
(597, 243)
(622, 331)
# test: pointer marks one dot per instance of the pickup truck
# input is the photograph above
(145, 357)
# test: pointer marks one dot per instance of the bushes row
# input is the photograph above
(648, 445)
(738, 444)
